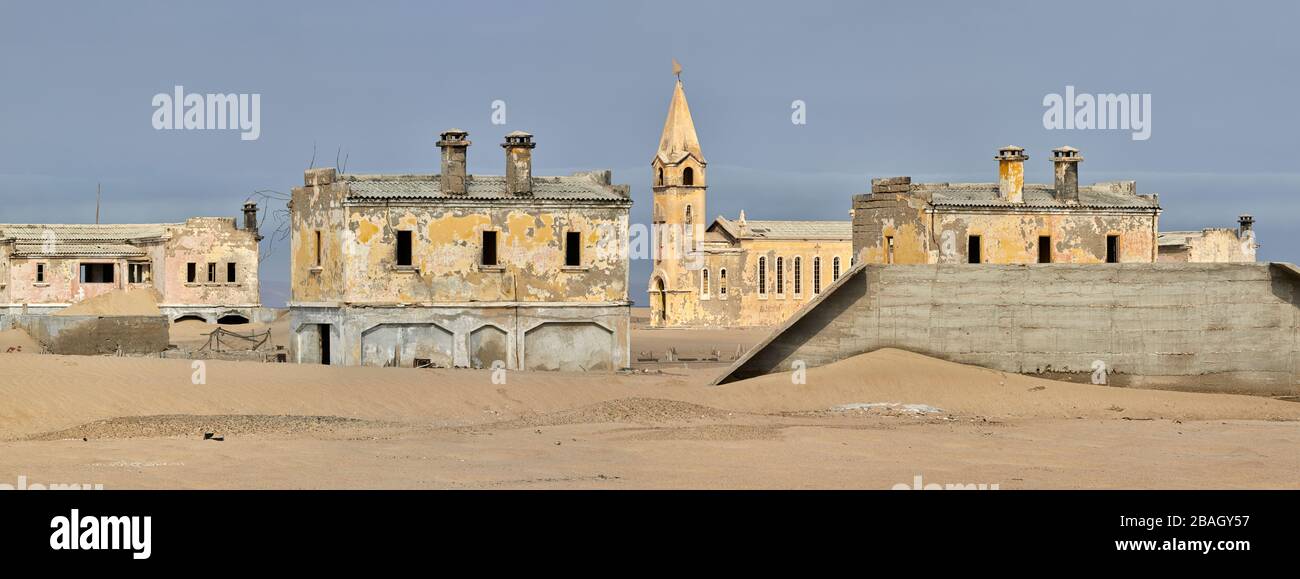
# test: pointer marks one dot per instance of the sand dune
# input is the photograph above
(46, 393)
(307, 426)
(901, 376)
(140, 302)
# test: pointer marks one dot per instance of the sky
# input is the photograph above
(926, 89)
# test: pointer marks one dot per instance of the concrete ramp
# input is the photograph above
(1190, 326)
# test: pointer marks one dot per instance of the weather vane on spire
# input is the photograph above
(677, 69)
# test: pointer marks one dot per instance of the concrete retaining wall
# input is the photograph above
(94, 335)
(1209, 327)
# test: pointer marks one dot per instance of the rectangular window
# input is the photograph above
(1044, 249)
(230, 272)
(1112, 249)
(704, 284)
(573, 249)
(137, 273)
(40, 273)
(96, 273)
(191, 272)
(973, 250)
(889, 248)
(212, 272)
(404, 248)
(318, 248)
(489, 248)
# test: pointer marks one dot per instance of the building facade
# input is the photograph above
(728, 273)
(459, 270)
(1007, 222)
(205, 268)
(1211, 245)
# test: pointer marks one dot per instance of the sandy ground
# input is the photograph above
(190, 335)
(726, 344)
(140, 423)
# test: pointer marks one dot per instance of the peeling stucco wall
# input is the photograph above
(200, 240)
(1212, 245)
(924, 234)
(529, 310)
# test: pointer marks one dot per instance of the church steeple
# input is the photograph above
(680, 213)
(679, 139)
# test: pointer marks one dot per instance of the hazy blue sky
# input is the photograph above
(928, 89)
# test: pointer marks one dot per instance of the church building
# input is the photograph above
(729, 272)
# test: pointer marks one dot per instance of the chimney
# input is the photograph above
(454, 146)
(891, 185)
(1246, 222)
(250, 218)
(519, 163)
(1066, 162)
(1011, 173)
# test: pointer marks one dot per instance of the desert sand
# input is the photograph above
(871, 422)
(140, 302)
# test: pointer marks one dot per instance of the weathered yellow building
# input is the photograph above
(1006, 222)
(461, 270)
(731, 272)
(1211, 245)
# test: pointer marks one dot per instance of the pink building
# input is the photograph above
(204, 268)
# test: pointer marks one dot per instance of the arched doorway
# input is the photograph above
(658, 303)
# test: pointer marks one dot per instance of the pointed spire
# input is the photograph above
(679, 130)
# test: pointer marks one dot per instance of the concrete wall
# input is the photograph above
(94, 335)
(1211, 327)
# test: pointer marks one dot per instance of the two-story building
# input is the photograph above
(459, 270)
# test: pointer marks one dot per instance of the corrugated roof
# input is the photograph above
(65, 249)
(96, 240)
(83, 231)
(1099, 196)
(760, 229)
(578, 187)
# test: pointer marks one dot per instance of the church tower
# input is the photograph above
(679, 182)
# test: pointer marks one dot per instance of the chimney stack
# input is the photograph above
(1066, 162)
(1011, 173)
(250, 218)
(1246, 222)
(519, 163)
(454, 146)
